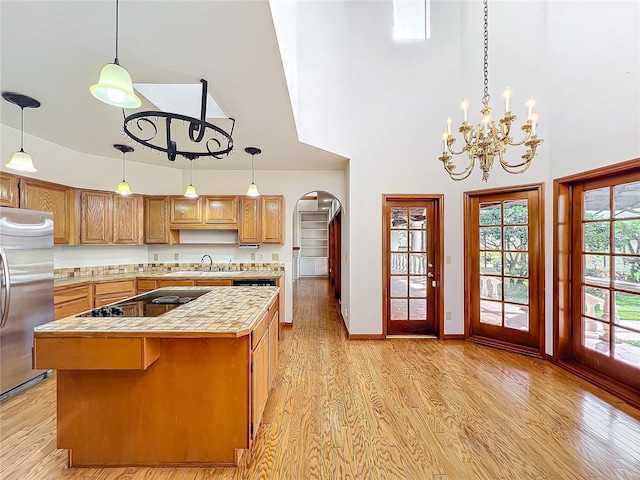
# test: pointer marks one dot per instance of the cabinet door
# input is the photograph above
(95, 221)
(221, 211)
(272, 219)
(249, 217)
(259, 381)
(127, 220)
(186, 211)
(8, 190)
(273, 348)
(307, 267)
(36, 195)
(156, 220)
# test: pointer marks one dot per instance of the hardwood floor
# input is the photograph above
(387, 409)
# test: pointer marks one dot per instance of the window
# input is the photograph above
(411, 20)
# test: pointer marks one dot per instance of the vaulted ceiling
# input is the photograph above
(54, 50)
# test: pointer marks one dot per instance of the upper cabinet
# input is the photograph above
(108, 218)
(156, 220)
(221, 211)
(185, 211)
(261, 219)
(272, 219)
(204, 212)
(9, 195)
(38, 195)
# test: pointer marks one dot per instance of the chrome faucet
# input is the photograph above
(229, 266)
(208, 267)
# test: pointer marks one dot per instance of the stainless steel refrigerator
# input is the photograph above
(26, 291)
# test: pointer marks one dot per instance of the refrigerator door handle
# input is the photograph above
(6, 280)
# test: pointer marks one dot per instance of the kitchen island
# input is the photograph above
(187, 387)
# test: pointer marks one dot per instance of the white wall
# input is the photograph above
(579, 59)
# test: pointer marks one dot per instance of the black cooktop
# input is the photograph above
(150, 304)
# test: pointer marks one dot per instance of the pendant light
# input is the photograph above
(114, 85)
(123, 187)
(252, 191)
(191, 192)
(21, 160)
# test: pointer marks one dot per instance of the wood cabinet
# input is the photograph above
(214, 283)
(176, 283)
(261, 219)
(209, 212)
(272, 219)
(222, 210)
(69, 300)
(259, 379)
(109, 292)
(249, 218)
(108, 218)
(9, 195)
(185, 211)
(143, 286)
(156, 222)
(38, 195)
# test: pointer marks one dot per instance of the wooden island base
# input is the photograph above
(155, 401)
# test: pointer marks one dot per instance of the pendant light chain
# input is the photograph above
(191, 172)
(117, 30)
(485, 97)
(253, 180)
(22, 129)
(123, 175)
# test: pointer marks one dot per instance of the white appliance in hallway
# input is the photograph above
(26, 292)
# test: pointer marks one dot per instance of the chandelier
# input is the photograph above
(488, 140)
(170, 132)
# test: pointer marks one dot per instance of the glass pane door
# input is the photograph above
(503, 259)
(609, 319)
(410, 266)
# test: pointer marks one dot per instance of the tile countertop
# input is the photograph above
(176, 275)
(223, 312)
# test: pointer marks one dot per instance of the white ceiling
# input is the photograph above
(54, 50)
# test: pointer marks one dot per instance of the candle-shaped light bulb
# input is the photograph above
(449, 125)
(534, 122)
(507, 96)
(444, 141)
(465, 107)
(530, 104)
(485, 123)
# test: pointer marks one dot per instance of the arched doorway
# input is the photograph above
(317, 239)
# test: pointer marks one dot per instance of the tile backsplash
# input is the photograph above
(91, 271)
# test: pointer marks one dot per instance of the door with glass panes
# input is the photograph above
(606, 283)
(504, 278)
(410, 243)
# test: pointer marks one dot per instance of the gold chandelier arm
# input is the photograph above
(449, 167)
(527, 129)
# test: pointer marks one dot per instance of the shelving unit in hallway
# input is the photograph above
(314, 242)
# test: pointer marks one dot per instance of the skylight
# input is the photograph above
(184, 99)
(411, 20)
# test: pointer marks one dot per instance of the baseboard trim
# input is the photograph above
(507, 347)
(624, 393)
(288, 324)
(453, 336)
(366, 336)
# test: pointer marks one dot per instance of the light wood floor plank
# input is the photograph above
(394, 409)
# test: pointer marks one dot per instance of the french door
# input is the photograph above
(504, 268)
(605, 290)
(411, 245)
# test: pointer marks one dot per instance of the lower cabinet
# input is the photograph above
(264, 363)
(214, 283)
(70, 300)
(143, 286)
(314, 267)
(176, 283)
(109, 292)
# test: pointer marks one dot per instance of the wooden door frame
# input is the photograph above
(562, 274)
(468, 269)
(438, 213)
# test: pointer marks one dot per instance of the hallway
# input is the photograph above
(394, 409)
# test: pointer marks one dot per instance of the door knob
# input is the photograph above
(430, 274)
